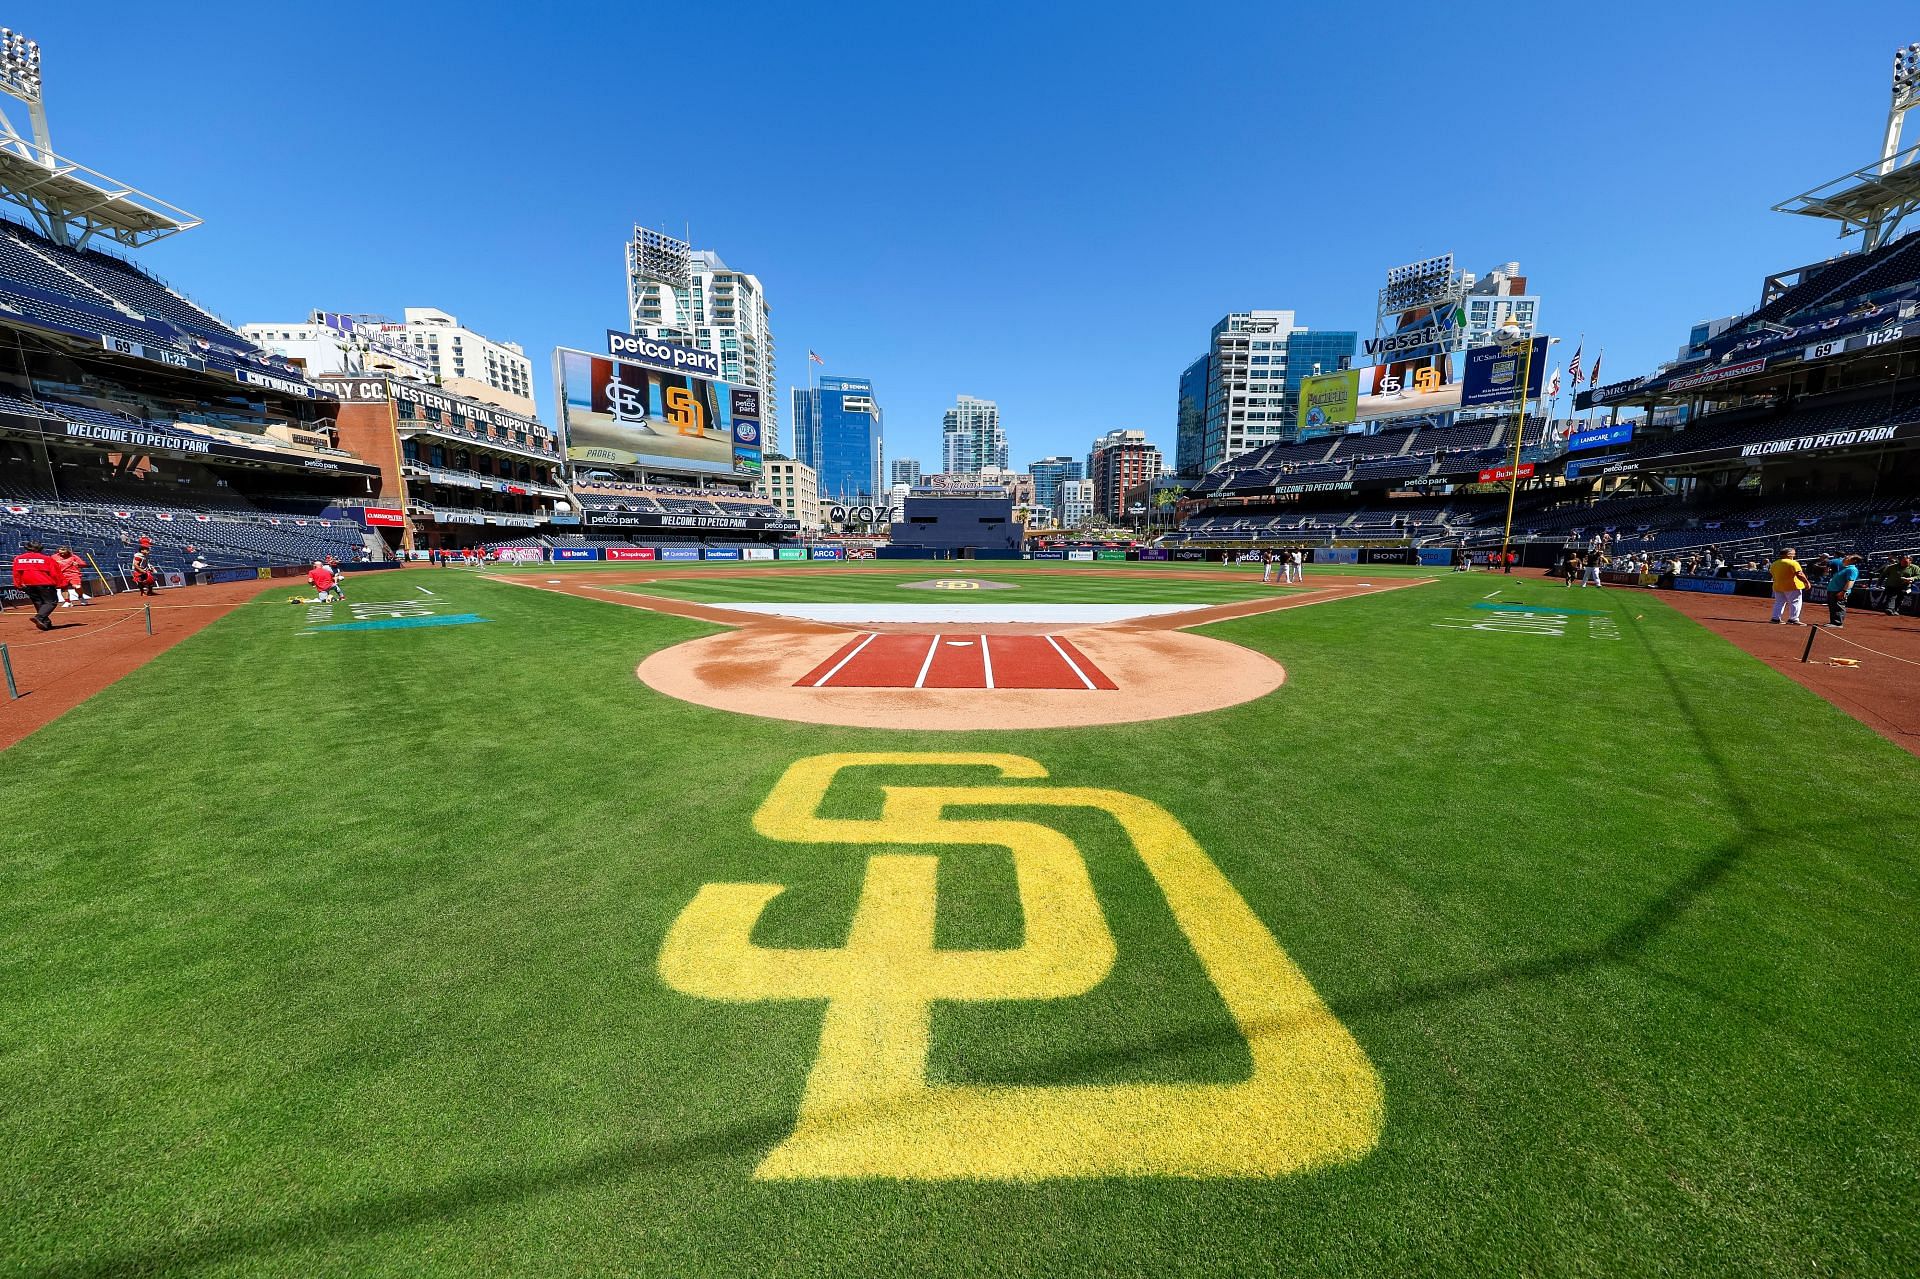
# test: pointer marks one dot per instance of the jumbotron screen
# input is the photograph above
(621, 413)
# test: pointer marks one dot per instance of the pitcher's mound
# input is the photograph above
(958, 584)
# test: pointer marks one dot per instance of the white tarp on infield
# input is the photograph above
(984, 614)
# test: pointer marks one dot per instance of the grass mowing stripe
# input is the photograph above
(334, 955)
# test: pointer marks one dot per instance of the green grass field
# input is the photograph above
(336, 954)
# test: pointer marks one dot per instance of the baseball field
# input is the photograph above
(1480, 927)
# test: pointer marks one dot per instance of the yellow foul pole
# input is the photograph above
(1519, 434)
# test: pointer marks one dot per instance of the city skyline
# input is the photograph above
(917, 300)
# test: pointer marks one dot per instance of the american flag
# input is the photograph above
(1573, 369)
(816, 359)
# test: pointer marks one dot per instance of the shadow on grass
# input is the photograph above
(376, 1214)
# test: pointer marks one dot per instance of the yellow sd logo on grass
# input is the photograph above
(869, 1110)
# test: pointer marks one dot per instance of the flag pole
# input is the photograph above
(1519, 435)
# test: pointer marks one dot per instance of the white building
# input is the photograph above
(470, 363)
(970, 437)
(1076, 502)
(680, 294)
(335, 342)
(793, 487)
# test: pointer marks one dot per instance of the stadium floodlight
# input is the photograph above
(19, 65)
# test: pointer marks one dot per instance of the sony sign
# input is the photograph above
(670, 356)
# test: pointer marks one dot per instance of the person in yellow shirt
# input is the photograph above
(1789, 580)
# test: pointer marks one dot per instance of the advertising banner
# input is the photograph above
(1493, 374)
(517, 554)
(828, 553)
(383, 517)
(1708, 585)
(756, 552)
(1599, 437)
(1085, 557)
(1050, 555)
(631, 553)
(1501, 474)
(1441, 555)
(627, 414)
(1328, 401)
(679, 552)
(1336, 555)
(1153, 553)
(576, 553)
(1389, 555)
(723, 552)
(1188, 553)
(790, 552)
(670, 357)
(1109, 555)
(744, 403)
(1721, 374)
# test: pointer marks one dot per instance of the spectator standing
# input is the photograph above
(1844, 573)
(39, 577)
(144, 578)
(1896, 579)
(73, 574)
(1789, 582)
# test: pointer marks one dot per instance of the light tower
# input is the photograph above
(1875, 198)
(67, 201)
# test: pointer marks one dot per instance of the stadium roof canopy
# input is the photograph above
(61, 193)
(1873, 199)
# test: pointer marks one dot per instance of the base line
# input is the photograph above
(921, 679)
(1071, 665)
(848, 658)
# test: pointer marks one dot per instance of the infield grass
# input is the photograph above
(334, 954)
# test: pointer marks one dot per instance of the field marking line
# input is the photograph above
(871, 636)
(927, 665)
(986, 660)
(1071, 664)
(423, 590)
(1489, 595)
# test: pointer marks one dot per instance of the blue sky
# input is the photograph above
(1045, 205)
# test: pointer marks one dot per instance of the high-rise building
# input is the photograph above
(1076, 502)
(1252, 370)
(470, 364)
(903, 470)
(1119, 461)
(1048, 473)
(971, 438)
(338, 342)
(1189, 447)
(681, 294)
(839, 430)
(793, 487)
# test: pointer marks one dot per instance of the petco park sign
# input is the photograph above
(670, 356)
(1830, 440)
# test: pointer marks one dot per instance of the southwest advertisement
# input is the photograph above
(626, 414)
(1328, 401)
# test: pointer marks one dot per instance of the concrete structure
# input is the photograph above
(338, 342)
(970, 437)
(977, 521)
(903, 470)
(840, 431)
(794, 487)
(680, 294)
(1048, 474)
(1251, 373)
(1120, 460)
(469, 363)
(1076, 502)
